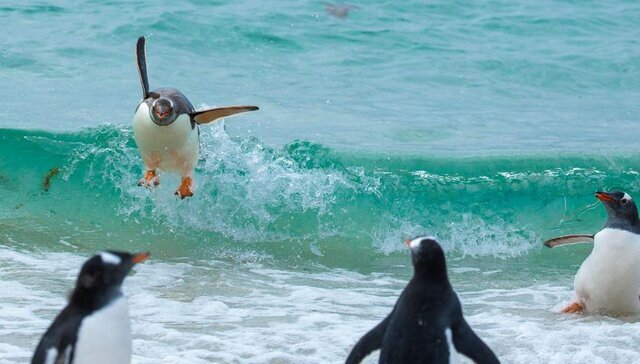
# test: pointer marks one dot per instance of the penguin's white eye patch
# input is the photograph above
(414, 243)
(110, 258)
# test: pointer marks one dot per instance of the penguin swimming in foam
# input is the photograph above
(608, 281)
(94, 327)
(426, 324)
(165, 128)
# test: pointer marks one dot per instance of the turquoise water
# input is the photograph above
(489, 125)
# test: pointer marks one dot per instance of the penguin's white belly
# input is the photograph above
(105, 336)
(609, 279)
(174, 147)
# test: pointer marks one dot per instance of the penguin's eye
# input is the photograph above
(624, 201)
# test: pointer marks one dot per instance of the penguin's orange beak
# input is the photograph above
(141, 257)
(604, 197)
(407, 242)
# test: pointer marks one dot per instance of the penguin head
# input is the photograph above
(162, 111)
(620, 207)
(105, 272)
(427, 257)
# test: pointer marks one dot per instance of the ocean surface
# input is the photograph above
(487, 124)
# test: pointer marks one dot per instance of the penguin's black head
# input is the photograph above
(162, 111)
(105, 272)
(620, 208)
(427, 257)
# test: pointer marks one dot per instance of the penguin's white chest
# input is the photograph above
(173, 147)
(609, 279)
(105, 336)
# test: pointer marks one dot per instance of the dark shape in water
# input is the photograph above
(46, 182)
(339, 11)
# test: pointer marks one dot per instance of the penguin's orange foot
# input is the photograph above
(186, 188)
(574, 307)
(150, 179)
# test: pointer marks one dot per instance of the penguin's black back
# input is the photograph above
(61, 335)
(416, 330)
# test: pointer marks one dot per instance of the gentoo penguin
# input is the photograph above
(165, 128)
(426, 324)
(608, 281)
(94, 327)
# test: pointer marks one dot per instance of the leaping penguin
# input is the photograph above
(608, 281)
(94, 327)
(426, 324)
(165, 128)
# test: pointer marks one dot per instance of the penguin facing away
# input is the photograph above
(608, 281)
(94, 327)
(426, 324)
(165, 129)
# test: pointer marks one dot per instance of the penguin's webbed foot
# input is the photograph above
(574, 307)
(150, 179)
(186, 188)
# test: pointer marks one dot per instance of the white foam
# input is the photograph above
(52, 354)
(454, 358)
(213, 311)
(469, 236)
(460, 270)
(270, 184)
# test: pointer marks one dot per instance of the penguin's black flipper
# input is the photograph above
(55, 353)
(369, 342)
(142, 67)
(58, 342)
(569, 239)
(209, 115)
(468, 343)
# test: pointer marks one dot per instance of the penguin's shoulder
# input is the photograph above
(58, 342)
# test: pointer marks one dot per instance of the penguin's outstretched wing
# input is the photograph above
(468, 343)
(569, 239)
(57, 343)
(369, 342)
(209, 115)
(142, 67)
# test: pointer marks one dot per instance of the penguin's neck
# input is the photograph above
(432, 274)
(630, 224)
(93, 299)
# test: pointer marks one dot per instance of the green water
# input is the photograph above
(302, 201)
